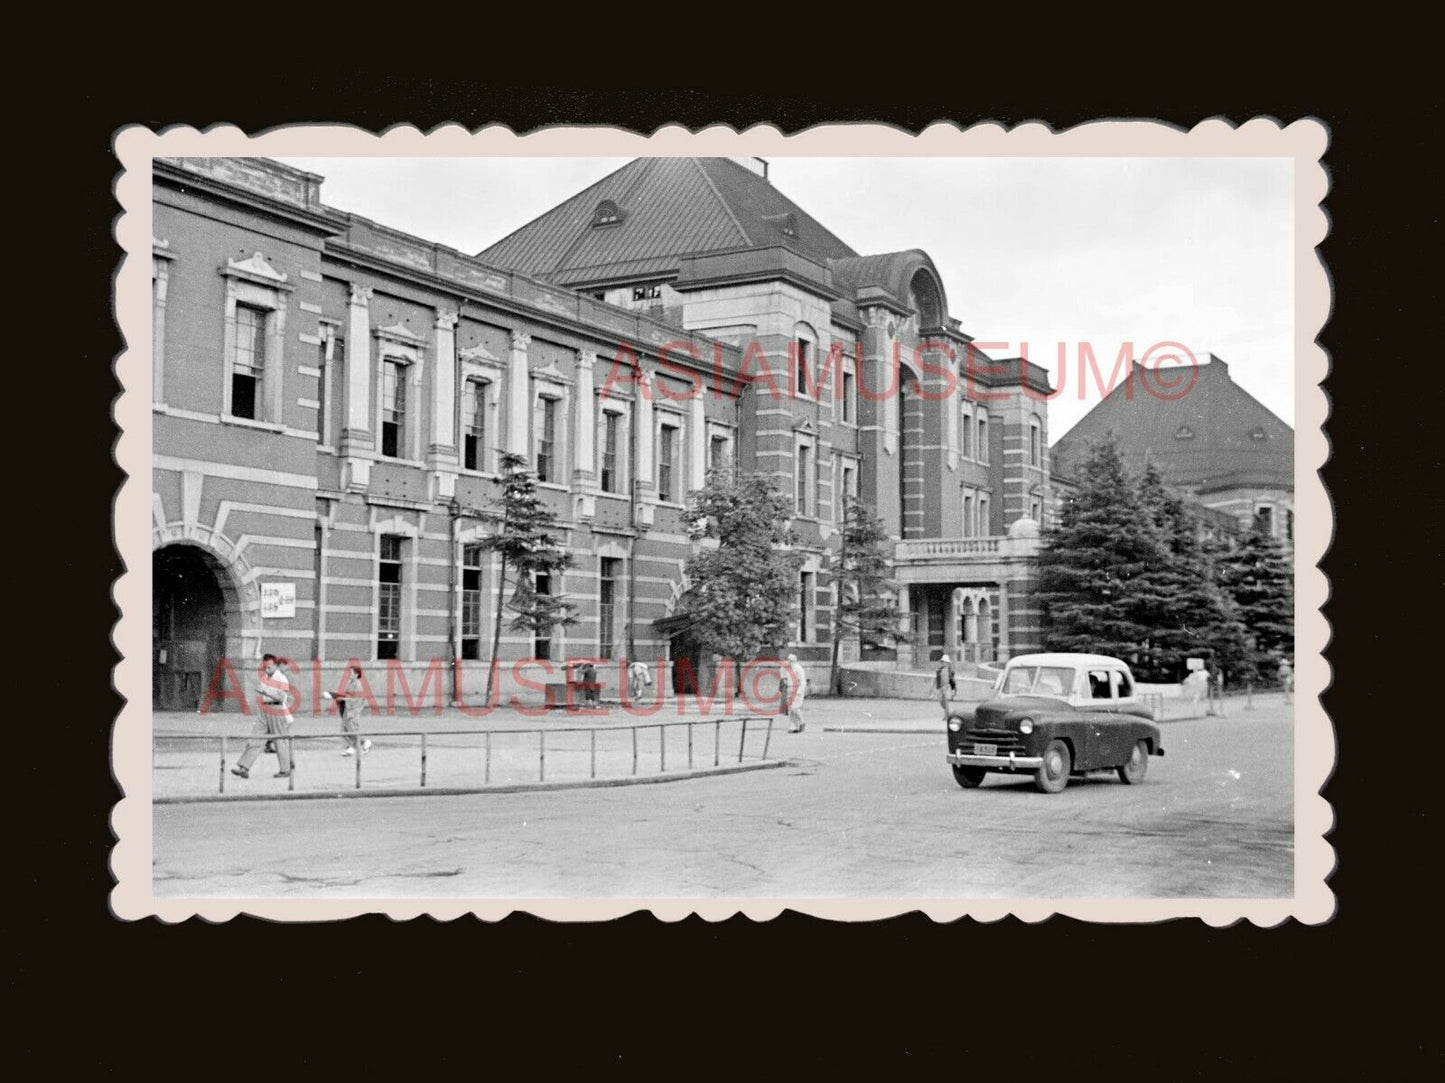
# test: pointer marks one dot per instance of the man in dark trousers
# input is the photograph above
(273, 721)
(944, 684)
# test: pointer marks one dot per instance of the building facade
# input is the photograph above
(331, 399)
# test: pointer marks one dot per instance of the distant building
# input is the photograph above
(331, 398)
(1212, 442)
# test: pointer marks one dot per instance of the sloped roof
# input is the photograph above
(669, 208)
(1214, 434)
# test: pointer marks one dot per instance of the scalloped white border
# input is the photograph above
(1304, 141)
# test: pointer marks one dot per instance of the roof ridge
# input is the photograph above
(697, 164)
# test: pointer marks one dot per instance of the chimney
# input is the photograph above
(764, 163)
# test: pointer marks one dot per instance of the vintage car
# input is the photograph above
(1055, 716)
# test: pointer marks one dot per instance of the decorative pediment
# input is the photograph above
(398, 334)
(550, 373)
(161, 248)
(256, 270)
(806, 426)
(479, 355)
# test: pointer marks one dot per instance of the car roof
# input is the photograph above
(1066, 660)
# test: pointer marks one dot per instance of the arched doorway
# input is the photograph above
(911, 488)
(194, 609)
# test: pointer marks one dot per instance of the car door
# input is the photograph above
(1096, 705)
(1123, 730)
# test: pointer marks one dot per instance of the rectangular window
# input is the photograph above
(850, 402)
(717, 453)
(542, 640)
(647, 293)
(393, 407)
(471, 602)
(607, 606)
(967, 448)
(1035, 445)
(985, 527)
(804, 469)
(1099, 684)
(805, 607)
(388, 601)
(983, 439)
(547, 441)
(666, 462)
(248, 367)
(474, 437)
(850, 481)
(1265, 518)
(611, 482)
(968, 515)
(804, 365)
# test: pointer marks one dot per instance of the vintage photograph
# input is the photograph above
(771, 525)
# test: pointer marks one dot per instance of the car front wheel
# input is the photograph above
(1053, 776)
(1132, 773)
(970, 778)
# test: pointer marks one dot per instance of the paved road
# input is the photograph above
(855, 815)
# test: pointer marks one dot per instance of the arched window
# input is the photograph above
(607, 213)
(926, 299)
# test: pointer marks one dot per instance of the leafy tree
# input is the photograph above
(1180, 600)
(1093, 564)
(742, 595)
(529, 542)
(866, 596)
(1257, 576)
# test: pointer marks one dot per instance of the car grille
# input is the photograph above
(1006, 740)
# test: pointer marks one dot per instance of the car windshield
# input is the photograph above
(1037, 680)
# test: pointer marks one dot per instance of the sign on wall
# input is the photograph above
(1194, 663)
(278, 600)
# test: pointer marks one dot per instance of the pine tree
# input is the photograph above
(1092, 563)
(742, 596)
(529, 543)
(1181, 600)
(1258, 577)
(866, 596)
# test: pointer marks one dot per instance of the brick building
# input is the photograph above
(331, 397)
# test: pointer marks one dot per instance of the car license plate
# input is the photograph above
(985, 750)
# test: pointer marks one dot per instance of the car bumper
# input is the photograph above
(1011, 762)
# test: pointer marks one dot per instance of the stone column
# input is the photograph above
(518, 393)
(905, 624)
(584, 463)
(697, 441)
(356, 436)
(443, 438)
(643, 482)
(160, 278)
(950, 624)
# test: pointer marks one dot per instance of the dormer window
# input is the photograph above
(607, 213)
(1259, 434)
(1184, 433)
(790, 225)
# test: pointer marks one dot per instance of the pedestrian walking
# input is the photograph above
(792, 690)
(1286, 678)
(945, 684)
(638, 678)
(350, 705)
(273, 721)
(589, 684)
(1216, 691)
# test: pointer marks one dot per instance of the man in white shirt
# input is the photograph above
(273, 721)
(793, 689)
(638, 678)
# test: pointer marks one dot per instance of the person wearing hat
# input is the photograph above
(944, 684)
(792, 688)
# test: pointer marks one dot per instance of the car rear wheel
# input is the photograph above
(969, 777)
(1053, 776)
(1133, 772)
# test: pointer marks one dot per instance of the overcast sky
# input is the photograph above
(1043, 250)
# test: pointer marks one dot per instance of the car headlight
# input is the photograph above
(1026, 726)
(955, 724)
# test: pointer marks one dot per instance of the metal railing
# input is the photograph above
(428, 743)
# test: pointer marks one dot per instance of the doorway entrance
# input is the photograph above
(190, 619)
